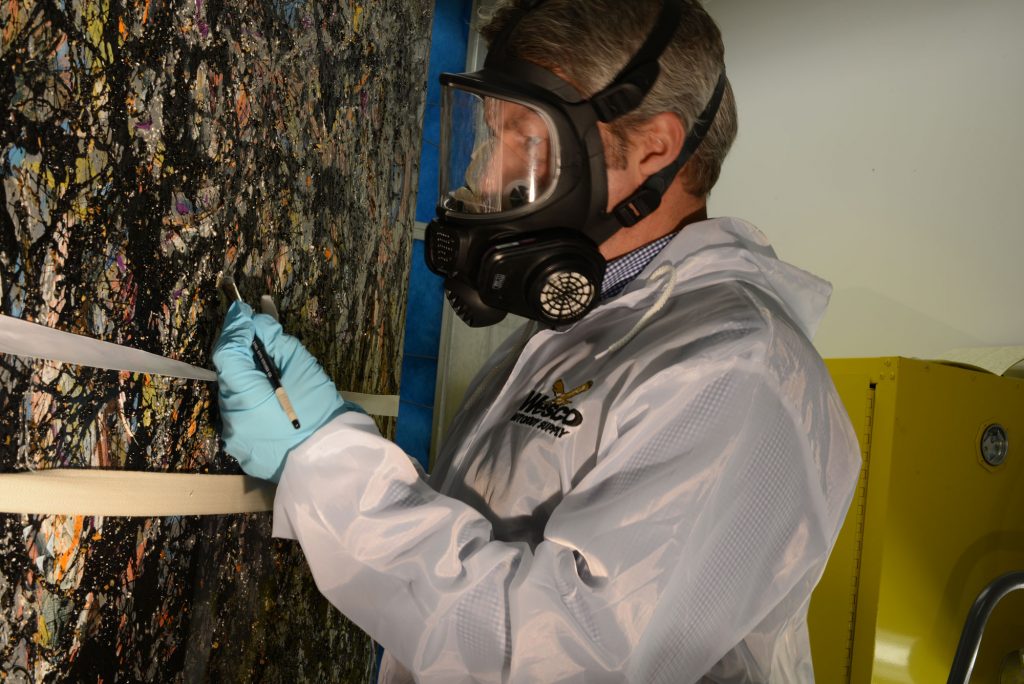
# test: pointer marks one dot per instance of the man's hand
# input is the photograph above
(256, 430)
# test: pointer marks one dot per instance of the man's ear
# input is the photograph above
(659, 141)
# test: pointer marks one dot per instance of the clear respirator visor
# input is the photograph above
(496, 156)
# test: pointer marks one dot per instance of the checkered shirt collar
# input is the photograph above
(621, 271)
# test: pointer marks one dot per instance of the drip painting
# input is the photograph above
(145, 147)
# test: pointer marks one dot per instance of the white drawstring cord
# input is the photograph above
(666, 292)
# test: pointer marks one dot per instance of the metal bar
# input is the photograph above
(974, 626)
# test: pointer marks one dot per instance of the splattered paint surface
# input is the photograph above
(144, 147)
(192, 599)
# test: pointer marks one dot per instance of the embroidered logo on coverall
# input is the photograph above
(553, 415)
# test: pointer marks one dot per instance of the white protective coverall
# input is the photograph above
(647, 496)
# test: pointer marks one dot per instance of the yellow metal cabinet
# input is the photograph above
(931, 524)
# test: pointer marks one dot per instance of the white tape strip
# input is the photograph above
(40, 342)
(128, 493)
(374, 404)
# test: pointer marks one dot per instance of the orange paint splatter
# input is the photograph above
(242, 110)
(65, 558)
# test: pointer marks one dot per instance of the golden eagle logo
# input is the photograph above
(562, 398)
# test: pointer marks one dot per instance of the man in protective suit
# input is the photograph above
(645, 483)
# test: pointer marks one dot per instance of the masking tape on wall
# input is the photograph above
(131, 493)
(374, 404)
(128, 493)
(40, 342)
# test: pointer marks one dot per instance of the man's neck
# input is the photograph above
(677, 210)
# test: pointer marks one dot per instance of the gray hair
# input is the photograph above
(589, 41)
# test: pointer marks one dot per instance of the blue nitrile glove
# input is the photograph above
(255, 429)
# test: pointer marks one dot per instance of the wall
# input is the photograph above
(144, 148)
(880, 147)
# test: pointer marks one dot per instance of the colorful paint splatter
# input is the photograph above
(144, 147)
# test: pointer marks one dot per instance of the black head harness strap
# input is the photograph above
(629, 87)
(500, 41)
(647, 197)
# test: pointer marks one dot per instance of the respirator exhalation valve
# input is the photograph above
(443, 250)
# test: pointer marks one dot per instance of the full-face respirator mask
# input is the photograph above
(523, 186)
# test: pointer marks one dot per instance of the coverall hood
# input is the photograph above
(722, 249)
